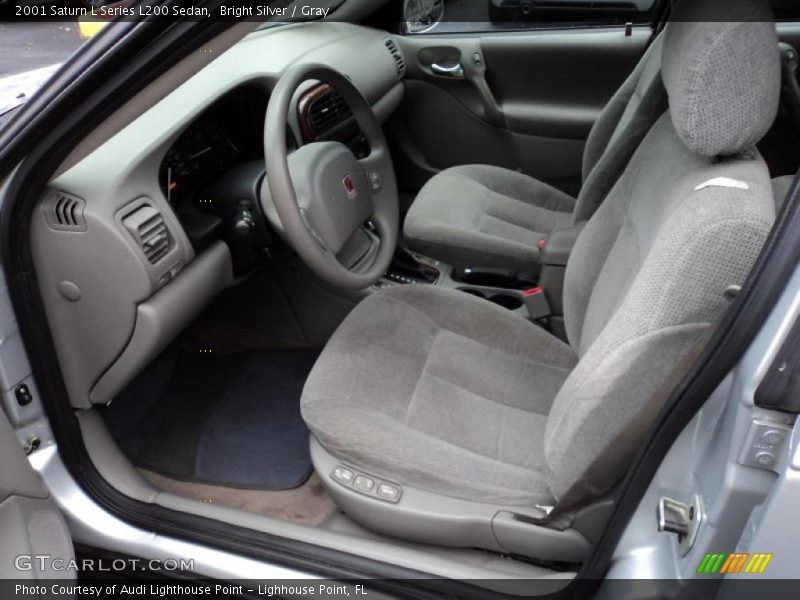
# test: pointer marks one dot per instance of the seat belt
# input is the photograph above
(664, 9)
(586, 489)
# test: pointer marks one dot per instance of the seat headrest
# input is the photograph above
(722, 76)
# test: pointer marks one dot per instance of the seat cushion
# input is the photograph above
(440, 390)
(479, 215)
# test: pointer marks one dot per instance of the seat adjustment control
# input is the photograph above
(366, 484)
(389, 492)
(343, 475)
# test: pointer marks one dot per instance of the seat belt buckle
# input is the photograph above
(535, 301)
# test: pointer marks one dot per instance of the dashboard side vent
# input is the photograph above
(397, 55)
(326, 111)
(148, 228)
(65, 212)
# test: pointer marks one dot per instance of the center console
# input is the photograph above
(538, 298)
(430, 271)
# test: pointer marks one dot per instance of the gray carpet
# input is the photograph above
(223, 420)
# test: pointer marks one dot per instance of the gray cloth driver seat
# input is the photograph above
(482, 215)
(440, 417)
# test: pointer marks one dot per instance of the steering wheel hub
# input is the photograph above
(321, 193)
(332, 192)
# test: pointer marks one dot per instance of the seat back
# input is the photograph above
(619, 129)
(685, 220)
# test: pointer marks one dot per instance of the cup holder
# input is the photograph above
(509, 301)
(472, 292)
(506, 301)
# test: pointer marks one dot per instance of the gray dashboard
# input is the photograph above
(118, 274)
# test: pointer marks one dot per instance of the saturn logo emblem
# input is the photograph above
(349, 187)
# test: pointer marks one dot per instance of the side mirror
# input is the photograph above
(420, 16)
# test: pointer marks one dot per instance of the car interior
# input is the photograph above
(414, 293)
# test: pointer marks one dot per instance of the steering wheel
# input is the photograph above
(323, 195)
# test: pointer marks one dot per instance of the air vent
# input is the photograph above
(326, 111)
(147, 227)
(65, 212)
(397, 55)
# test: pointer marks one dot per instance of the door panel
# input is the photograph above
(521, 101)
(445, 132)
(557, 84)
(446, 125)
(781, 146)
(30, 523)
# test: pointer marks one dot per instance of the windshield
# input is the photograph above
(30, 52)
(36, 36)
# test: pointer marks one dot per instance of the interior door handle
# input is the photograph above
(454, 70)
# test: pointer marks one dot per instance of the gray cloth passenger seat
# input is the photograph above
(481, 215)
(441, 417)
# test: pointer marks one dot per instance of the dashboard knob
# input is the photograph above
(244, 222)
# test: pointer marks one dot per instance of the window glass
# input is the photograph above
(464, 16)
(31, 50)
(786, 10)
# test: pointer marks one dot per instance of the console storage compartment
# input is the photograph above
(555, 253)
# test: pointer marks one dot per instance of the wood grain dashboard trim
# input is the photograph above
(304, 105)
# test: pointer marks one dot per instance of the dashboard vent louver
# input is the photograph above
(148, 228)
(65, 212)
(397, 55)
(326, 111)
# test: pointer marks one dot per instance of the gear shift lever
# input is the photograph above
(407, 269)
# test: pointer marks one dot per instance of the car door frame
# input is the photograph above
(734, 334)
(36, 540)
(96, 82)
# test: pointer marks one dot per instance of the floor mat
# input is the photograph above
(307, 504)
(223, 420)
